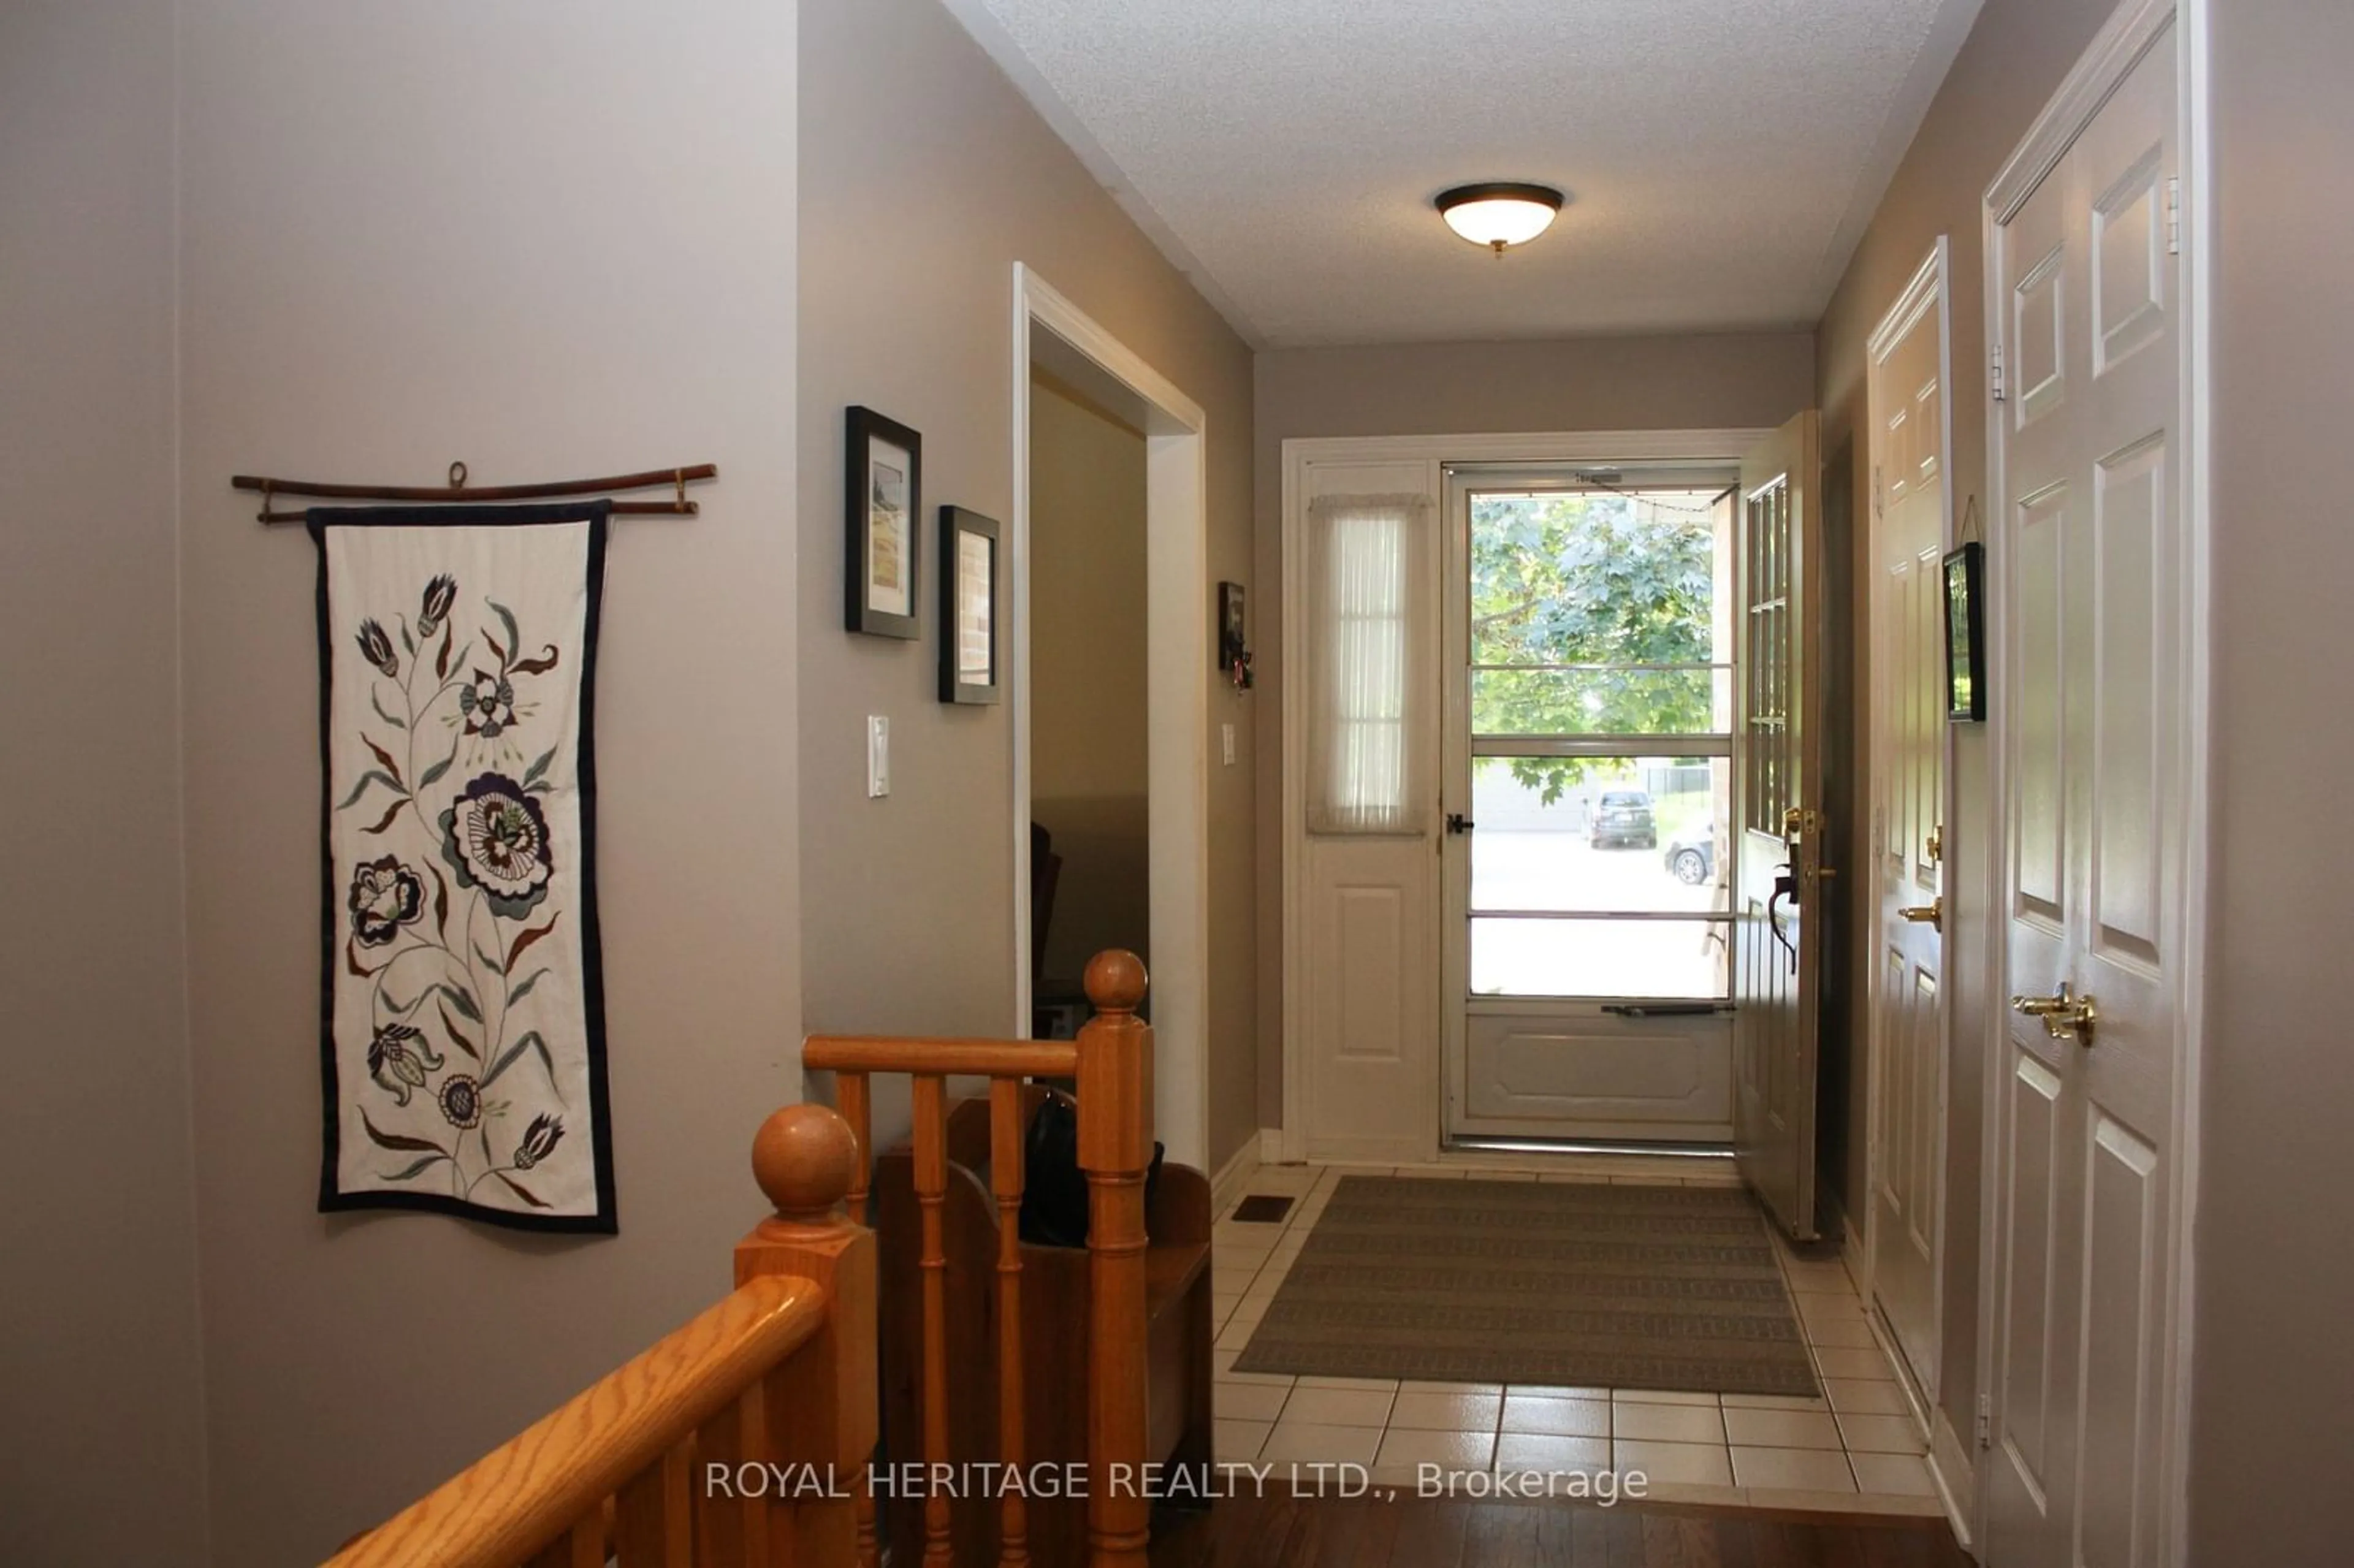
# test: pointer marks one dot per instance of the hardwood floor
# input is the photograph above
(1279, 1530)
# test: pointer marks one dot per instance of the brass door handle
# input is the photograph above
(1930, 913)
(2066, 1016)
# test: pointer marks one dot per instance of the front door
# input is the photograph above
(1778, 829)
(2092, 582)
(1588, 790)
(1906, 849)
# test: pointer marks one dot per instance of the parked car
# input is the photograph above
(1692, 861)
(1623, 817)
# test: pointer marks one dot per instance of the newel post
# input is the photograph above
(1115, 1151)
(821, 1407)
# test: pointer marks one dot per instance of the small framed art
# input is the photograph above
(882, 490)
(968, 577)
(1966, 634)
(1233, 641)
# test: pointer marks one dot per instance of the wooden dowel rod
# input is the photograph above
(655, 1525)
(852, 1093)
(649, 479)
(1006, 1177)
(467, 498)
(932, 1198)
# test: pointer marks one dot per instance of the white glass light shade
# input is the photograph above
(1500, 214)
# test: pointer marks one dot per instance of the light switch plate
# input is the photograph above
(878, 756)
(1227, 734)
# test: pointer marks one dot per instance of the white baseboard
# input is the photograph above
(1235, 1173)
(1957, 1477)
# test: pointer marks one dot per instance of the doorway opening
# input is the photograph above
(1090, 862)
(1052, 336)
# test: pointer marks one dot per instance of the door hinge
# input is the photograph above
(1994, 376)
(1986, 1421)
(2174, 215)
(1879, 493)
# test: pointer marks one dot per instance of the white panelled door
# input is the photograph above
(2093, 694)
(1369, 1027)
(1779, 826)
(1906, 848)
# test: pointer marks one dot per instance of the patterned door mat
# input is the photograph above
(1537, 1283)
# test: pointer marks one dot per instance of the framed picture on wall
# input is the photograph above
(969, 578)
(1966, 634)
(882, 491)
(1233, 640)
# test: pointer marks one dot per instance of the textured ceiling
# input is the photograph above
(1721, 156)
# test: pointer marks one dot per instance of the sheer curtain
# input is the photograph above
(1363, 602)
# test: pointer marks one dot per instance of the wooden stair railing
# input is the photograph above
(655, 1462)
(1112, 1060)
(655, 1465)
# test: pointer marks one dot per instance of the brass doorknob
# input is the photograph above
(2066, 1016)
(1930, 913)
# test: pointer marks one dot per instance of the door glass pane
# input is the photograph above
(1601, 611)
(1772, 788)
(1601, 835)
(1527, 700)
(1681, 960)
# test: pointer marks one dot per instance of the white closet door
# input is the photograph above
(2092, 695)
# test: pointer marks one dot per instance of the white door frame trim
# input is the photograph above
(1926, 290)
(1299, 452)
(2113, 53)
(1177, 659)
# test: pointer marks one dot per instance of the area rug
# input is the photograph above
(1543, 1283)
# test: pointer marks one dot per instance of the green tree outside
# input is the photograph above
(1589, 578)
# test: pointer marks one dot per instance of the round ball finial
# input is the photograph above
(1115, 980)
(805, 1158)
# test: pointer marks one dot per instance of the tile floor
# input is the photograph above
(1859, 1449)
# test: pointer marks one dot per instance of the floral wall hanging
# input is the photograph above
(462, 1042)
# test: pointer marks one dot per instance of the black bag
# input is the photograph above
(1054, 1188)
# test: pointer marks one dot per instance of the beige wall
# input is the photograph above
(101, 1364)
(1088, 783)
(2015, 57)
(915, 204)
(462, 231)
(1726, 382)
(2273, 1411)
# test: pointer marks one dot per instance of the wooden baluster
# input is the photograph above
(732, 1523)
(653, 1526)
(818, 1408)
(1006, 1177)
(1115, 1149)
(582, 1546)
(932, 1198)
(852, 1090)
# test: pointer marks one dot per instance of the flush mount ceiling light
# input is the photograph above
(1499, 213)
